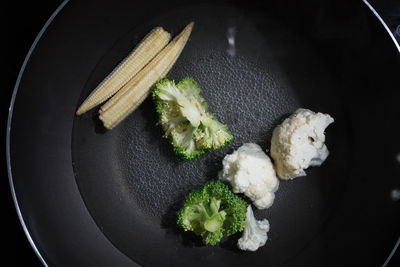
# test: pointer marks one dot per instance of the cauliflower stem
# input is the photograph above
(255, 232)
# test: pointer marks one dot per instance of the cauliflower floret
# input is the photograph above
(266, 201)
(299, 142)
(255, 232)
(250, 171)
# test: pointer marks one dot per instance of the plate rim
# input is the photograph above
(8, 134)
(11, 109)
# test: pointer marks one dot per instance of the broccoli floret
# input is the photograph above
(183, 114)
(212, 134)
(213, 211)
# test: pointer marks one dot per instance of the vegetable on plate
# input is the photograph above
(255, 232)
(299, 142)
(137, 89)
(250, 171)
(212, 212)
(148, 48)
(184, 116)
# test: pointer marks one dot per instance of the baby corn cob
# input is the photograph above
(148, 48)
(110, 102)
(138, 88)
(137, 78)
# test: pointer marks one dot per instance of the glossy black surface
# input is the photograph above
(132, 175)
(131, 182)
(389, 10)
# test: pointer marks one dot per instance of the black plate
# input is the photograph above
(95, 197)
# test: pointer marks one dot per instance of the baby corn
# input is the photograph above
(138, 88)
(148, 48)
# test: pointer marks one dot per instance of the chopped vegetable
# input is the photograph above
(250, 171)
(255, 232)
(184, 116)
(148, 48)
(212, 212)
(299, 142)
(136, 90)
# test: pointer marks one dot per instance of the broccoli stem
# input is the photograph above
(213, 223)
(214, 205)
(213, 218)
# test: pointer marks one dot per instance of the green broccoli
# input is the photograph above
(184, 116)
(213, 211)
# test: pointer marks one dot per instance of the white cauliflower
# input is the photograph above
(250, 171)
(255, 232)
(299, 142)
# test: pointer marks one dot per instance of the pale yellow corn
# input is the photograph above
(147, 49)
(138, 88)
(128, 86)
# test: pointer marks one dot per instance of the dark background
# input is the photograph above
(22, 22)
